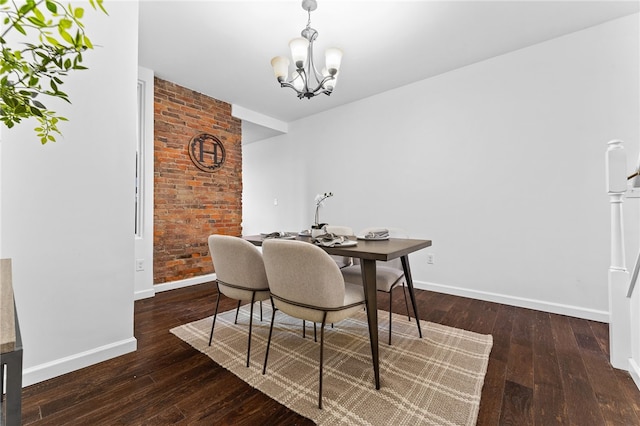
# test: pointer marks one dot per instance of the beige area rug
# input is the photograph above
(436, 380)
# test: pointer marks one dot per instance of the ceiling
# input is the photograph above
(223, 48)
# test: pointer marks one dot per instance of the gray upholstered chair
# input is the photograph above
(240, 275)
(388, 274)
(341, 261)
(307, 284)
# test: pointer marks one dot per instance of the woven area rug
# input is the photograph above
(436, 380)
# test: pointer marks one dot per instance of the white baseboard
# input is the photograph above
(634, 371)
(77, 361)
(555, 308)
(184, 283)
(144, 294)
(539, 305)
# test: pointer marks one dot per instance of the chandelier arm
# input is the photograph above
(285, 84)
(311, 66)
(305, 79)
(321, 86)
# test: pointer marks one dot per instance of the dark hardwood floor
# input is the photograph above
(544, 369)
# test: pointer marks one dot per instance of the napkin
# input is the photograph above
(329, 240)
(377, 234)
(275, 235)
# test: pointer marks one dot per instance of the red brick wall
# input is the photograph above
(190, 204)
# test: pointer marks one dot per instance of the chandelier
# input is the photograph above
(306, 80)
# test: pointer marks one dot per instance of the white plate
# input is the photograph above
(363, 237)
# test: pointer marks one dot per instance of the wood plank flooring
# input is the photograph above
(544, 369)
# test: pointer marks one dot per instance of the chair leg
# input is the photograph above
(390, 314)
(261, 311)
(404, 292)
(408, 314)
(315, 333)
(237, 310)
(215, 314)
(324, 319)
(266, 354)
(253, 297)
(304, 329)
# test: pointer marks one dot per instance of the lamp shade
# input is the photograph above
(333, 57)
(299, 47)
(280, 66)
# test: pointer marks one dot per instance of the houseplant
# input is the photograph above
(54, 41)
(317, 226)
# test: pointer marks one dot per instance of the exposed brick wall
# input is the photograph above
(189, 204)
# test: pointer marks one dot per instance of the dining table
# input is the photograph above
(369, 252)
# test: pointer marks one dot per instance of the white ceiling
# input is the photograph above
(223, 48)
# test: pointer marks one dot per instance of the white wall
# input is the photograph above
(67, 210)
(271, 171)
(500, 163)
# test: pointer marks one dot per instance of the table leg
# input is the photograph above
(370, 291)
(407, 275)
(13, 397)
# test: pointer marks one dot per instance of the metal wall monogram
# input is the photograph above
(206, 152)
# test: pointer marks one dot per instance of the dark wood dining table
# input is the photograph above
(370, 251)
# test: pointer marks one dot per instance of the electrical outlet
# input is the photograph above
(275, 201)
(139, 265)
(430, 258)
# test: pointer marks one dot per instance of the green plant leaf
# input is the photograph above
(66, 36)
(53, 8)
(78, 12)
(19, 28)
(65, 24)
(25, 8)
(38, 15)
(35, 21)
(52, 40)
